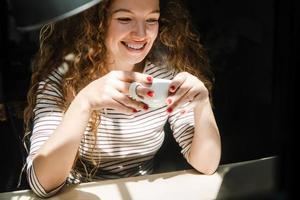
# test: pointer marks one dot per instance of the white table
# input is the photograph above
(231, 180)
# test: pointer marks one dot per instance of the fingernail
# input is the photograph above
(172, 88)
(169, 101)
(149, 79)
(169, 110)
(134, 110)
(150, 93)
(146, 107)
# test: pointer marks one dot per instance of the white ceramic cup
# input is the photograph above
(161, 91)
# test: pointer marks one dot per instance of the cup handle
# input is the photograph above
(132, 90)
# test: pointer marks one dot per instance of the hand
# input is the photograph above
(111, 91)
(186, 89)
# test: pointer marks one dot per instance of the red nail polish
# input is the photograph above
(182, 112)
(172, 88)
(169, 110)
(150, 93)
(134, 110)
(149, 79)
(146, 107)
(169, 101)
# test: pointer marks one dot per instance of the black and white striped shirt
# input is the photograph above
(125, 144)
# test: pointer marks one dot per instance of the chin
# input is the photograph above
(134, 61)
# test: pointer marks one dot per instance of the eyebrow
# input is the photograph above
(126, 10)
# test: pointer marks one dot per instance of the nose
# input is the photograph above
(139, 30)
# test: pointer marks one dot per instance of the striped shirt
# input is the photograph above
(125, 144)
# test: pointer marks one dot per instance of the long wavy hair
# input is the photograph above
(83, 35)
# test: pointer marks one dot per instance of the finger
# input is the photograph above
(188, 107)
(112, 101)
(133, 77)
(177, 81)
(185, 100)
(141, 91)
(121, 107)
(122, 86)
(192, 105)
(129, 102)
(181, 91)
(144, 92)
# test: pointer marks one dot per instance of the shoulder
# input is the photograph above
(53, 82)
(56, 75)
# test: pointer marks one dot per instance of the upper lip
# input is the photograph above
(135, 42)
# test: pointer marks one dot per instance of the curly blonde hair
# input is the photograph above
(84, 36)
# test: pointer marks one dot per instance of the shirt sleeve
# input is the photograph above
(183, 130)
(48, 116)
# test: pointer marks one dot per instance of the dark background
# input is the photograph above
(252, 47)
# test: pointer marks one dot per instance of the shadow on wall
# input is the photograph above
(239, 38)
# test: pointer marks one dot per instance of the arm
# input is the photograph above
(53, 161)
(54, 142)
(53, 157)
(193, 123)
(205, 152)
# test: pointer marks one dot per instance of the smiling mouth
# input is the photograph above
(133, 46)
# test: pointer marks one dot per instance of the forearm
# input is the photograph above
(205, 151)
(55, 158)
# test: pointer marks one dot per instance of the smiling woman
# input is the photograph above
(133, 27)
(82, 122)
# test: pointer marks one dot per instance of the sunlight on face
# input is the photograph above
(133, 27)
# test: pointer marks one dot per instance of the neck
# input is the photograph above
(138, 67)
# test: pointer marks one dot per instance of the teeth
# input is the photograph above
(135, 46)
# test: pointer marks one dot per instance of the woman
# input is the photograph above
(82, 122)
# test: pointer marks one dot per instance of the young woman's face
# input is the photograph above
(133, 27)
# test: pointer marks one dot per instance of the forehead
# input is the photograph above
(139, 6)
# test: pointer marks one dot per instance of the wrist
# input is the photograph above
(82, 104)
(201, 104)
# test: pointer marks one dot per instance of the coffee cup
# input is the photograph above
(161, 92)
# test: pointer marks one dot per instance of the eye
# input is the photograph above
(152, 21)
(124, 20)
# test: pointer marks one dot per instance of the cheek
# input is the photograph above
(116, 33)
(156, 33)
(108, 42)
(153, 32)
